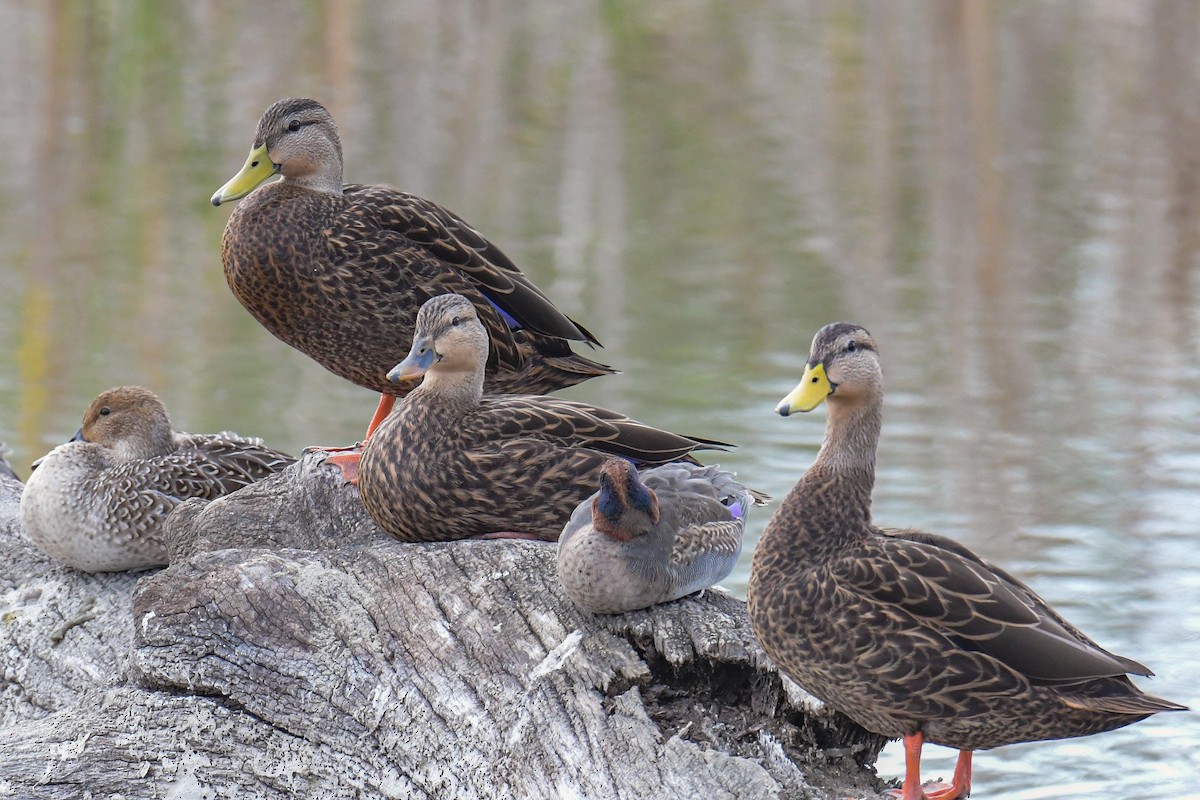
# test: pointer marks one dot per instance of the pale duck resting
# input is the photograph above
(98, 502)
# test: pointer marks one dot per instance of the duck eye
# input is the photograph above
(105, 411)
(294, 125)
(456, 322)
(850, 348)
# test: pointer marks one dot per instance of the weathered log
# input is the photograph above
(293, 650)
(6, 469)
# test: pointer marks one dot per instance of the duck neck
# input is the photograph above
(157, 442)
(319, 170)
(325, 178)
(451, 393)
(832, 502)
(851, 440)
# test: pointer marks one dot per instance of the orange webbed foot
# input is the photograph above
(933, 790)
(344, 458)
(961, 786)
(914, 790)
(940, 791)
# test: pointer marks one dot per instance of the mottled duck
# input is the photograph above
(910, 634)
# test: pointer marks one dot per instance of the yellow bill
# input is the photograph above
(814, 387)
(258, 168)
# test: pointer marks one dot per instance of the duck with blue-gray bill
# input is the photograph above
(98, 502)
(339, 271)
(452, 462)
(654, 536)
(908, 633)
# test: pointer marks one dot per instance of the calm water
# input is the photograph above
(1006, 195)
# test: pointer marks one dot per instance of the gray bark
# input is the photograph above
(292, 650)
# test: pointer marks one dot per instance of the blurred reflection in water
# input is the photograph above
(1006, 194)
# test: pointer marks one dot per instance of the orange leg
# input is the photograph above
(912, 768)
(961, 787)
(912, 788)
(386, 403)
(346, 458)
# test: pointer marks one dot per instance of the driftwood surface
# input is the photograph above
(293, 650)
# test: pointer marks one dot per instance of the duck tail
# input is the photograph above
(578, 368)
(544, 374)
(760, 498)
(1118, 695)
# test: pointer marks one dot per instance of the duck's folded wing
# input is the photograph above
(977, 608)
(148, 490)
(946, 543)
(578, 424)
(451, 240)
(718, 538)
(224, 461)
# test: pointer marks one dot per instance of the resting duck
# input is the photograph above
(98, 502)
(451, 462)
(339, 271)
(910, 634)
(652, 537)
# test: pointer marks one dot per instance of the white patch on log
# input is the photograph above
(71, 750)
(187, 785)
(555, 659)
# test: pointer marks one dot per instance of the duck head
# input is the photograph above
(296, 138)
(131, 422)
(843, 367)
(448, 340)
(624, 507)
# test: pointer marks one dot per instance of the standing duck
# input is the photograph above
(652, 537)
(452, 462)
(98, 502)
(339, 271)
(909, 634)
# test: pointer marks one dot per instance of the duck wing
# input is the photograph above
(705, 506)
(710, 538)
(1031, 596)
(454, 243)
(150, 489)
(576, 424)
(942, 586)
(227, 461)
